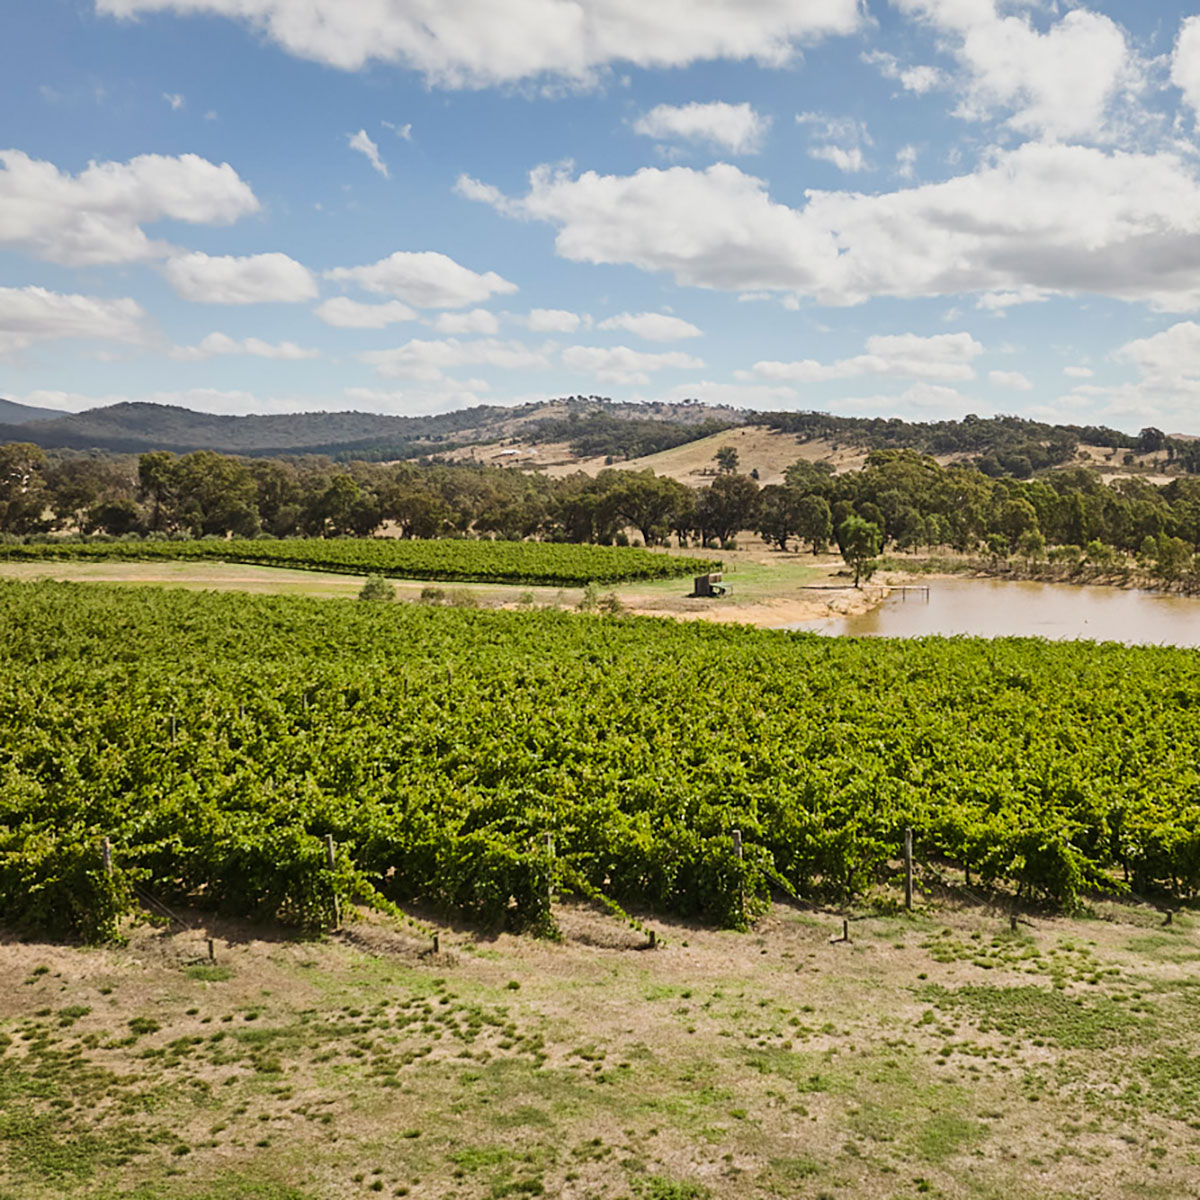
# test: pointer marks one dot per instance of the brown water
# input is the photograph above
(999, 608)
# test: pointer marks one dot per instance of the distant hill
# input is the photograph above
(12, 413)
(133, 428)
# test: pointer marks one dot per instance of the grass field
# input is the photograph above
(933, 1055)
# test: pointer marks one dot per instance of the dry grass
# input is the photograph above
(935, 1054)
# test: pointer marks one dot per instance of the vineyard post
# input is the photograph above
(106, 855)
(331, 863)
(550, 869)
(737, 853)
(908, 869)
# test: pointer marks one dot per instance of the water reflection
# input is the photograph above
(1000, 608)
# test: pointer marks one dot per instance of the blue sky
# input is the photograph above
(919, 208)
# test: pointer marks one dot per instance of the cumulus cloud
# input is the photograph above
(32, 314)
(552, 320)
(221, 343)
(1185, 62)
(255, 279)
(653, 327)
(733, 127)
(1078, 372)
(362, 143)
(620, 364)
(175, 100)
(478, 320)
(944, 356)
(917, 79)
(837, 140)
(1013, 380)
(1167, 388)
(426, 360)
(345, 313)
(1061, 83)
(1039, 219)
(479, 43)
(96, 217)
(424, 278)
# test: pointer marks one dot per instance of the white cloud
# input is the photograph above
(221, 344)
(906, 162)
(32, 314)
(1062, 83)
(442, 396)
(345, 313)
(1078, 372)
(944, 356)
(1043, 218)
(256, 279)
(478, 43)
(401, 131)
(998, 302)
(426, 360)
(426, 279)
(175, 100)
(739, 395)
(96, 217)
(552, 320)
(620, 364)
(920, 402)
(362, 143)
(734, 127)
(1166, 361)
(1010, 379)
(478, 320)
(653, 327)
(839, 140)
(1185, 62)
(918, 79)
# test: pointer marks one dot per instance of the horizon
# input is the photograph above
(915, 209)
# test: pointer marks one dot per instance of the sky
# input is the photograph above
(914, 208)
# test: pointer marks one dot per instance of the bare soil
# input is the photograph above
(935, 1053)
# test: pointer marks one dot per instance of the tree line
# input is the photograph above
(901, 499)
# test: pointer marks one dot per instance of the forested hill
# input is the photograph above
(132, 428)
(12, 413)
(1002, 445)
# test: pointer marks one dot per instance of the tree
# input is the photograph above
(648, 501)
(726, 459)
(1016, 518)
(22, 490)
(729, 505)
(860, 542)
(815, 523)
(778, 514)
(377, 589)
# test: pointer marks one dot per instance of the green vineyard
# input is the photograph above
(534, 563)
(217, 740)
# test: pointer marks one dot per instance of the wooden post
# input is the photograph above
(331, 863)
(845, 930)
(737, 843)
(212, 950)
(653, 939)
(106, 855)
(908, 869)
(437, 943)
(967, 869)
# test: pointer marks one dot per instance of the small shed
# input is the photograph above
(709, 585)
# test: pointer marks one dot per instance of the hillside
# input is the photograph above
(132, 428)
(12, 413)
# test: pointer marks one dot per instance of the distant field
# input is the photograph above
(535, 563)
